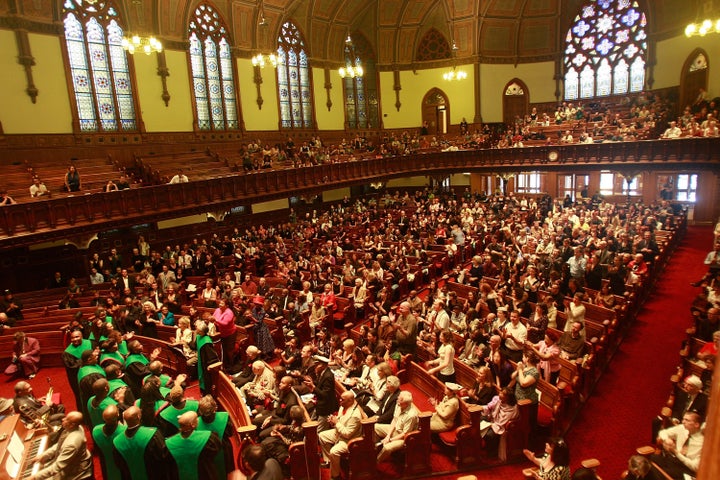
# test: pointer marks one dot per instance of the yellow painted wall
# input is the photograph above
(415, 85)
(537, 76)
(333, 119)
(337, 194)
(460, 179)
(178, 115)
(179, 222)
(270, 206)
(672, 53)
(408, 182)
(51, 112)
(257, 118)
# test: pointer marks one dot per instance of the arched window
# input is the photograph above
(605, 50)
(212, 71)
(361, 97)
(99, 67)
(294, 88)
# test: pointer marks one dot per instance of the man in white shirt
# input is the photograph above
(681, 447)
(179, 178)
(672, 132)
(405, 420)
(347, 423)
(515, 334)
(38, 188)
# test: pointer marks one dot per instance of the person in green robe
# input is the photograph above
(71, 358)
(218, 422)
(194, 450)
(140, 452)
(103, 435)
(168, 417)
(97, 403)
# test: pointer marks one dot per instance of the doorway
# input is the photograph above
(515, 101)
(693, 77)
(436, 112)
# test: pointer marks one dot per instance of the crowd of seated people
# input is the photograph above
(274, 275)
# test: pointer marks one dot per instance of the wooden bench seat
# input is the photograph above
(52, 345)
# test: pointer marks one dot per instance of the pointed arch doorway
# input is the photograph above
(516, 99)
(436, 112)
(693, 77)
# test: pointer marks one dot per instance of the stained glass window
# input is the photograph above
(605, 47)
(294, 89)
(212, 71)
(361, 98)
(99, 67)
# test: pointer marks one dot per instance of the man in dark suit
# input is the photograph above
(389, 400)
(280, 413)
(326, 400)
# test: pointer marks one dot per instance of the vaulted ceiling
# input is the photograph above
(490, 31)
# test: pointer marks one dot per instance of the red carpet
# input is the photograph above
(616, 419)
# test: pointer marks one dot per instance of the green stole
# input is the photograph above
(164, 380)
(132, 451)
(105, 444)
(115, 356)
(77, 351)
(218, 426)
(201, 341)
(136, 357)
(170, 414)
(97, 412)
(116, 383)
(186, 452)
(88, 369)
(122, 348)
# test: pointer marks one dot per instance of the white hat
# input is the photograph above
(453, 387)
(694, 380)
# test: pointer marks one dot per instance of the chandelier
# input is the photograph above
(454, 74)
(139, 43)
(260, 60)
(351, 71)
(702, 28)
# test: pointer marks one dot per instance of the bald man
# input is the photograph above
(347, 425)
(194, 450)
(69, 458)
(98, 402)
(103, 436)
(168, 417)
(140, 452)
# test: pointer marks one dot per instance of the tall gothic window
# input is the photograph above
(99, 67)
(294, 88)
(361, 97)
(605, 50)
(212, 71)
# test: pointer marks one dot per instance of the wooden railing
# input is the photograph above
(86, 214)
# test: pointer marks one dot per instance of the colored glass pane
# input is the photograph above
(293, 79)
(611, 35)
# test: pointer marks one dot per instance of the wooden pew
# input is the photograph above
(305, 455)
(232, 402)
(171, 357)
(52, 345)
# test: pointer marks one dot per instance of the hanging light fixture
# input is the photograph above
(260, 60)
(454, 74)
(708, 25)
(140, 43)
(350, 70)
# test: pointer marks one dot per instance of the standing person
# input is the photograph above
(72, 180)
(206, 356)
(25, 357)
(406, 329)
(225, 323)
(69, 458)
(72, 359)
(324, 390)
(444, 364)
(219, 423)
(263, 339)
(103, 435)
(140, 452)
(555, 464)
(194, 450)
(344, 427)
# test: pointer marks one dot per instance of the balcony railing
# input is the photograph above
(84, 214)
